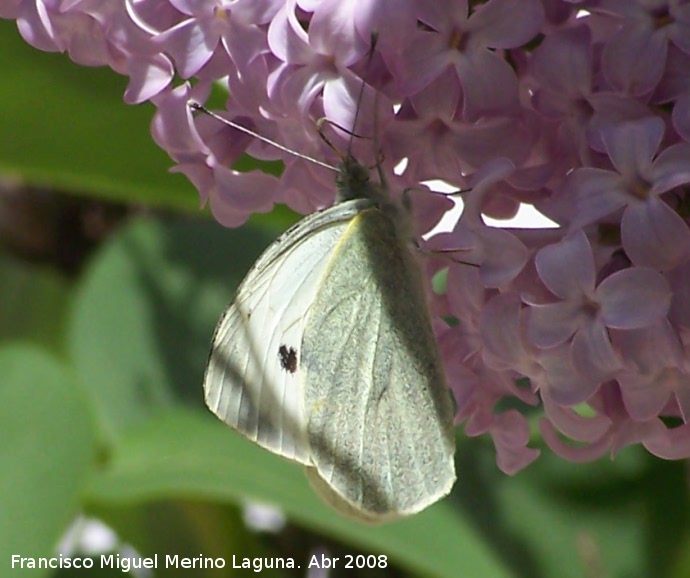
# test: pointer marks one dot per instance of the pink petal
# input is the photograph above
(286, 38)
(511, 434)
(500, 328)
(632, 145)
(436, 14)
(679, 278)
(633, 298)
(294, 88)
(254, 11)
(306, 187)
(501, 256)
(675, 80)
(421, 63)
(577, 454)
(195, 7)
(679, 31)
(173, 126)
(10, 9)
(565, 385)
(340, 97)
(35, 25)
(654, 235)
(87, 44)
(567, 267)
(563, 61)
(488, 83)
(190, 44)
(609, 110)
(148, 76)
(238, 195)
(440, 99)
(332, 31)
(200, 175)
(394, 20)
(244, 43)
(633, 59)
(593, 355)
(671, 168)
(681, 388)
(651, 349)
(494, 23)
(552, 324)
(669, 444)
(629, 432)
(574, 425)
(466, 296)
(681, 116)
(596, 192)
(644, 396)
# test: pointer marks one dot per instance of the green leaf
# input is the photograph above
(186, 528)
(33, 303)
(71, 130)
(590, 521)
(183, 454)
(145, 310)
(147, 307)
(112, 342)
(46, 453)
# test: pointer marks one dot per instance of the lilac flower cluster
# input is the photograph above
(579, 108)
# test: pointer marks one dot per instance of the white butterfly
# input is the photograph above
(326, 357)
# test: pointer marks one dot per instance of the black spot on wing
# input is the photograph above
(288, 358)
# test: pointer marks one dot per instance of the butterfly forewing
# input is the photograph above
(253, 380)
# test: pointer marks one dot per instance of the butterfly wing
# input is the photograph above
(380, 413)
(253, 380)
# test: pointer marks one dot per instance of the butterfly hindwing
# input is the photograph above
(380, 414)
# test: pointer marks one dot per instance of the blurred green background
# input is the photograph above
(111, 281)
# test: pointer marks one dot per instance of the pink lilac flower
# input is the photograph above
(452, 37)
(654, 372)
(213, 25)
(439, 144)
(634, 57)
(498, 254)
(204, 153)
(674, 87)
(565, 89)
(579, 108)
(652, 233)
(507, 347)
(630, 299)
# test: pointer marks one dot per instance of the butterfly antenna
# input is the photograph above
(319, 127)
(194, 105)
(377, 149)
(360, 97)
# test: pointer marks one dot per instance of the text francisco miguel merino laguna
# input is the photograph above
(126, 563)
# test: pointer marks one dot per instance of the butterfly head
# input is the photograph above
(353, 180)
